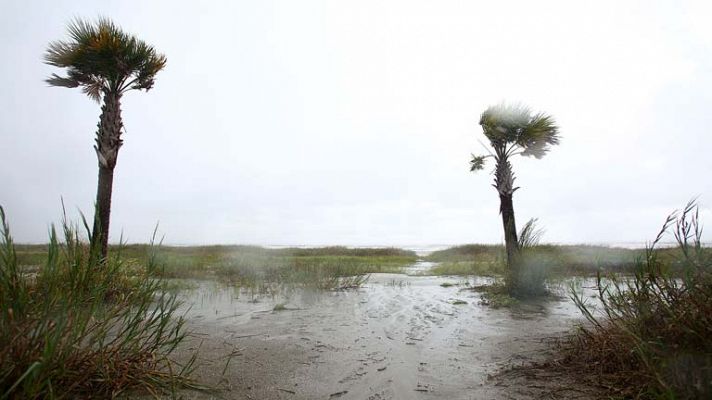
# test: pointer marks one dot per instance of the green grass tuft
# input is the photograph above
(75, 328)
(496, 295)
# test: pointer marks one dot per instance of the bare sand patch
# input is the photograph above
(399, 337)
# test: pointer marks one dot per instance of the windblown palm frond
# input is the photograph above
(537, 137)
(101, 58)
(504, 121)
(477, 163)
(513, 129)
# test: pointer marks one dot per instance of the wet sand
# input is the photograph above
(399, 337)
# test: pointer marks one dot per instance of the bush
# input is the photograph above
(652, 335)
(79, 328)
(527, 275)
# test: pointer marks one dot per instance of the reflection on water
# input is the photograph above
(419, 268)
(213, 302)
(395, 335)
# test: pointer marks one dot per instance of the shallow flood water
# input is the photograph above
(398, 337)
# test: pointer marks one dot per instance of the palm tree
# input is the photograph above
(513, 130)
(105, 62)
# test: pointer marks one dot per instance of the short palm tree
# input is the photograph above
(513, 130)
(105, 62)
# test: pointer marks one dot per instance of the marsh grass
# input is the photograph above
(495, 295)
(536, 267)
(564, 260)
(650, 337)
(76, 328)
(399, 283)
(465, 268)
(263, 270)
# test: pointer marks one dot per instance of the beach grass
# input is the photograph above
(75, 326)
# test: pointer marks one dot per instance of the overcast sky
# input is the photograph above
(352, 122)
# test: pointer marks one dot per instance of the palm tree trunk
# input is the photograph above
(108, 142)
(506, 208)
(103, 208)
(504, 183)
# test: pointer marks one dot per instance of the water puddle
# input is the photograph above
(420, 267)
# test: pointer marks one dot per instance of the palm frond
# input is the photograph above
(81, 31)
(60, 54)
(477, 163)
(513, 127)
(503, 122)
(101, 57)
(537, 137)
(94, 91)
(56, 80)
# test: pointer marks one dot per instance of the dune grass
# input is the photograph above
(262, 269)
(75, 328)
(650, 336)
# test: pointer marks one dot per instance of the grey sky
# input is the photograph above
(352, 122)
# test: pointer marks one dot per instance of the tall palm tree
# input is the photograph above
(513, 130)
(105, 62)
